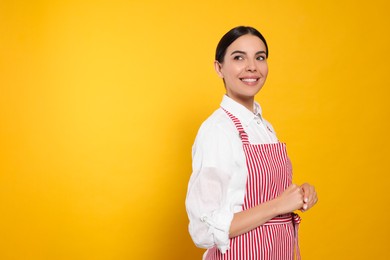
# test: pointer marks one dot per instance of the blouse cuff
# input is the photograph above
(218, 226)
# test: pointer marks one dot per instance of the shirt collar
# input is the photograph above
(239, 111)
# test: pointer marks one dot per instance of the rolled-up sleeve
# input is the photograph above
(211, 197)
(209, 214)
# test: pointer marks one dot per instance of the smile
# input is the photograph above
(249, 80)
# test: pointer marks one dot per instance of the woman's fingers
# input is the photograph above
(309, 196)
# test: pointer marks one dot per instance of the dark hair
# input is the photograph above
(232, 35)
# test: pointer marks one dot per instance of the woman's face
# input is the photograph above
(244, 68)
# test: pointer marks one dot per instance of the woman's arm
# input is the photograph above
(293, 198)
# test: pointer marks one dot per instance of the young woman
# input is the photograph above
(240, 198)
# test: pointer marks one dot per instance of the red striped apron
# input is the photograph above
(269, 174)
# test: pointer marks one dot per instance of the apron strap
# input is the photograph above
(241, 132)
(296, 220)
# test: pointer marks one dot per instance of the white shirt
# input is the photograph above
(217, 185)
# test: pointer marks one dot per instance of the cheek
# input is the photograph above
(264, 70)
(233, 71)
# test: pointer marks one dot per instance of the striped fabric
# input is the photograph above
(269, 174)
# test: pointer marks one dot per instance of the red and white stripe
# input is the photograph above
(269, 174)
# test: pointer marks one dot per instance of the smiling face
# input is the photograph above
(244, 69)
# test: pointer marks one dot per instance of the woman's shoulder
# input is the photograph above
(217, 125)
(216, 122)
(217, 141)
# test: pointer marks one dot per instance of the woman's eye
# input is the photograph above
(261, 58)
(238, 58)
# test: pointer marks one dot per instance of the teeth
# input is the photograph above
(249, 80)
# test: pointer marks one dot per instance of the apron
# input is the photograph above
(269, 174)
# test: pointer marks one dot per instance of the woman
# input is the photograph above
(240, 198)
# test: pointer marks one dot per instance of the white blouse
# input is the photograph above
(216, 188)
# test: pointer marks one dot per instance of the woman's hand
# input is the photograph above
(309, 196)
(291, 199)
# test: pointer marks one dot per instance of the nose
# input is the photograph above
(251, 66)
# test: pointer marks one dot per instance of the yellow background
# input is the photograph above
(100, 102)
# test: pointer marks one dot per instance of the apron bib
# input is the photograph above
(269, 174)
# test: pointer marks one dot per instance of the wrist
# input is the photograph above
(276, 207)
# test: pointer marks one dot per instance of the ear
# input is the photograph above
(218, 68)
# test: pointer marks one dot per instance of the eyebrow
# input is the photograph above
(243, 52)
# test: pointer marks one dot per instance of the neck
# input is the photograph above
(249, 106)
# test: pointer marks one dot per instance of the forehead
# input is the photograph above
(247, 43)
